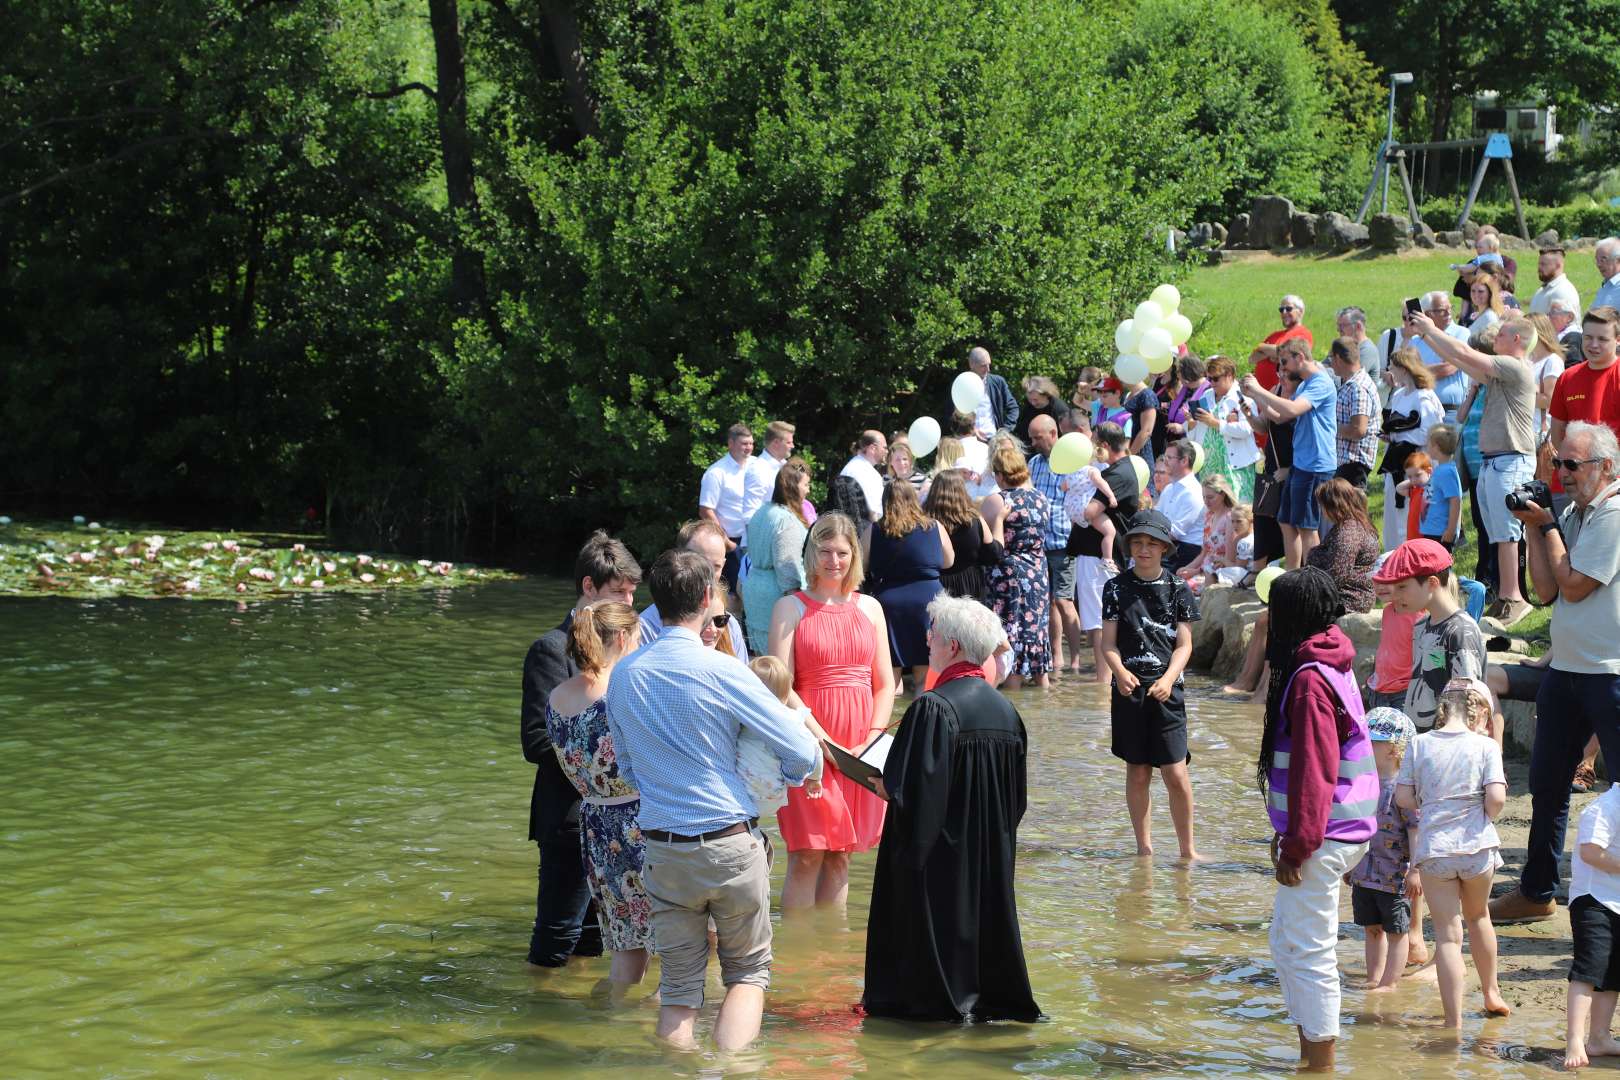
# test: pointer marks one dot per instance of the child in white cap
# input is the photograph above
(1384, 883)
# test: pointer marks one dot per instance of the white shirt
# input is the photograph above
(759, 484)
(1600, 825)
(866, 475)
(1241, 449)
(1422, 402)
(1551, 364)
(1183, 503)
(724, 490)
(1559, 288)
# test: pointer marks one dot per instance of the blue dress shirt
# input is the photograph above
(675, 708)
(652, 628)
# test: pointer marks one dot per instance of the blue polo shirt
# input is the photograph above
(1316, 433)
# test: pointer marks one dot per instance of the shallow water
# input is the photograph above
(289, 840)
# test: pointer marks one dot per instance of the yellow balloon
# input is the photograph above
(1162, 364)
(1180, 328)
(1154, 344)
(1140, 467)
(1071, 454)
(1147, 315)
(1198, 456)
(1167, 297)
(1263, 580)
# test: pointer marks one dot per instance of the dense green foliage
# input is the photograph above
(444, 277)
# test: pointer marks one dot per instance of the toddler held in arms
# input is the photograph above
(758, 766)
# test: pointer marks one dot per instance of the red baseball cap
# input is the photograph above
(1111, 383)
(1414, 559)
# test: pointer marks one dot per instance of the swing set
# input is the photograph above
(1494, 147)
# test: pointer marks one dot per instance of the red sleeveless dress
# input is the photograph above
(834, 670)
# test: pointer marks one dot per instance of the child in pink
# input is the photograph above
(1392, 663)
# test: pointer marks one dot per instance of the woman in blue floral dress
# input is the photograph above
(576, 720)
(1016, 587)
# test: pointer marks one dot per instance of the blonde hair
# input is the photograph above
(722, 640)
(902, 513)
(947, 454)
(594, 626)
(1040, 384)
(827, 527)
(1220, 486)
(1009, 465)
(774, 674)
(1408, 360)
(1242, 520)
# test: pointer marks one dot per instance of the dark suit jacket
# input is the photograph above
(1572, 349)
(546, 665)
(1003, 406)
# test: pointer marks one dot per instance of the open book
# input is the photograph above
(865, 768)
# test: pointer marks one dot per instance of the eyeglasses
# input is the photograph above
(1571, 464)
(720, 620)
(1286, 308)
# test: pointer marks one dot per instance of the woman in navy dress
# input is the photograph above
(905, 553)
(1016, 587)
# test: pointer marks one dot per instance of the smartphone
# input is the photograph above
(1413, 306)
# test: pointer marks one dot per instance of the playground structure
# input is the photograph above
(1494, 147)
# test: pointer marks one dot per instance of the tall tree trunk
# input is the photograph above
(468, 290)
(565, 44)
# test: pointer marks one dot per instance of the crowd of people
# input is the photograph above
(992, 568)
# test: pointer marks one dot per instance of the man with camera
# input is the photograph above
(1507, 437)
(1577, 560)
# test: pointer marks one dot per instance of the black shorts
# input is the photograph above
(1594, 928)
(1524, 681)
(1149, 732)
(1355, 472)
(1373, 907)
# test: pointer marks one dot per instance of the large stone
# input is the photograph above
(1547, 239)
(1423, 236)
(1200, 234)
(1271, 220)
(1303, 230)
(1449, 237)
(1338, 233)
(1326, 224)
(1237, 233)
(1215, 256)
(1469, 230)
(1389, 232)
(1220, 231)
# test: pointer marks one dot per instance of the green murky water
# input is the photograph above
(289, 840)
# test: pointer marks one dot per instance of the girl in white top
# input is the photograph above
(1226, 422)
(1453, 775)
(1547, 362)
(1412, 397)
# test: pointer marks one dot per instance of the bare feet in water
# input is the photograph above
(1496, 1005)
(1424, 974)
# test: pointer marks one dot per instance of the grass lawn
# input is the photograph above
(1234, 306)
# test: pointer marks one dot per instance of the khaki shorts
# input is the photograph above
(727, 880)
(1461, 867)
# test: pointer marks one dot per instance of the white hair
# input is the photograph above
(968, 623)
(1431, 298)
(1356, 316)
(1561, 305)
(1295, 301)
(1609, 246)
(1601, 442)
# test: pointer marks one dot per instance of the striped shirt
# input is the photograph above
(1358, 397)
(675, 709)
(1055, 537)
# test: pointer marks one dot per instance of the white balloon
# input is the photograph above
(1148, 315)
(967, 391)
(1155, 344)
(1131, 370)
(1180, 328)
(1167, 297)
(1162, 364)
(1125, 336)
(924, 435)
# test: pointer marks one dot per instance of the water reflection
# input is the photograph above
(289, 839)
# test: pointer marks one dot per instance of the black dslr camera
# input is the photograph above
(1536, 491)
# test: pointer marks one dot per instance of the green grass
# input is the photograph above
(1234, 306)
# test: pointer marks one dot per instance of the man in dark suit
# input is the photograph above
(999, 409)
(603, 570)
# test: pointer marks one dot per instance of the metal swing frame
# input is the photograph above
(1496, 148)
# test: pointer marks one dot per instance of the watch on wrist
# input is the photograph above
(1547, 527)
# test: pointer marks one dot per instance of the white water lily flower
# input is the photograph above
(94, 525)
(317, 584)
(368, 578)
(78, 519)
(4, 520)
(191, 586)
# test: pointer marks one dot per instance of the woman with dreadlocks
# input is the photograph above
(1317, 773)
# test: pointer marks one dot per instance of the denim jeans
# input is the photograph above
(562, 903)
(1569, 708)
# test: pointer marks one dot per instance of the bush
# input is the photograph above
(1589, 220)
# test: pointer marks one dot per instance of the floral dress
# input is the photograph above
(608, 819)
(1016, 586)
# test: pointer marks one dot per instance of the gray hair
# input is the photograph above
(1601, 442)
(1430, 298)
(1295, 301)
(1609, 246)
(1356, 316)
(1561, 306)
(968, 623)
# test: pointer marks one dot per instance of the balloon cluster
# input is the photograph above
(1147, 341)
(966, 393)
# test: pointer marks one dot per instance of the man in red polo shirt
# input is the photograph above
(1292, 311)
(1590, 391)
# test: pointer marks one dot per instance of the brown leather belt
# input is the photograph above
(676, 838)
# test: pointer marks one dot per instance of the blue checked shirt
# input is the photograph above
(1056, 535)
(1358, 397)
(674, 709)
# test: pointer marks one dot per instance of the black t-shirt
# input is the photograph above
(1147, 613)
(1139, 404)
(1121, 480)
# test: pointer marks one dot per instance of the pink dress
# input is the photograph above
(834, 672)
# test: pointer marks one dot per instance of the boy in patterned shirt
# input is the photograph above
(1147, 640)
(1384, 883)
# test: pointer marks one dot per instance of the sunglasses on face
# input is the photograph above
(1571, 464)
(719, 621)
(1285, 308)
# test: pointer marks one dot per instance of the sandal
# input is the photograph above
(1249, 579)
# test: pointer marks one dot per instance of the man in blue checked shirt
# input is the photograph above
(675, 708)
(1065, 617)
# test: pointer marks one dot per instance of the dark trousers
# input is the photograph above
(1569, 708)
(561, 928)
(733, 565)
(1184, 555)
(1355, 472)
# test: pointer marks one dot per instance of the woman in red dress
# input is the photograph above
(834, 641)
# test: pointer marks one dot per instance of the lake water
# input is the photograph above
(289, 840)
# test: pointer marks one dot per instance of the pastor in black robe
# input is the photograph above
(942, 942)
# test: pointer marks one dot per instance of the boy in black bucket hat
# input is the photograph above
(1147, 639)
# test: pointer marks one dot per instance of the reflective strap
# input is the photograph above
(1278, 800)
(1279, 759)
(1348, 770)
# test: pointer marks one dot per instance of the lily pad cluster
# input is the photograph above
(85, 559)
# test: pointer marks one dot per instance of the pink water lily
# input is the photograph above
(209, 545)
(317, 584)
(298, 547)
(229, 545)
(329, 566)
(363, 560)
(368, 578)
(299, 580)
(241, 586)
(191, 586)
(154, 542)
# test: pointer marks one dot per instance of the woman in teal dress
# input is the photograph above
(576, 721)
(776, 536)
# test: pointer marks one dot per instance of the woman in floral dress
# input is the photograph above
(1016, 587)
(576, 720)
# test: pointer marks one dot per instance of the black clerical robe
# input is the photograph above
(942, 942)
